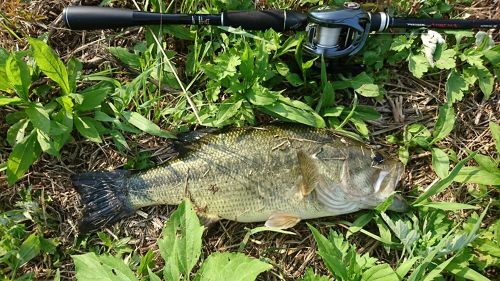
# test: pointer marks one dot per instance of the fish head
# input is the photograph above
(363, 174)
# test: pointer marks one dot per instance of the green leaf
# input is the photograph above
(130, 59)
(444, 124)
(180, 246)
(17, 131)
(231, 266)
(153, 276)
(418, 65)
(436, 272)
(29, 249)
(86, 127)
(477, 175)
(94, 96)
(487, 163)
(228, 109)
(495, 132)
(405, 267)
(359, 223)
(21, 157)
(444, 183)
(485, 79)
(50, 64)
(45, 143)
(18, 75)
(465, 272)
(9, 100)
(74, 71)
(330, 255)
(448, 206)
(440, 162)
(143, 124)
(363, 85)
(91, 267)
(446, 59)
(39, 117)
(380, 272)
(258, 229)
(455, 86)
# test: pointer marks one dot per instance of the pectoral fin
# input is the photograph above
(309, 171)
(282, 221)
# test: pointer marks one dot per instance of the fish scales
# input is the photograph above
(276, 174)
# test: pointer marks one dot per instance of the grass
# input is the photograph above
(441, 121)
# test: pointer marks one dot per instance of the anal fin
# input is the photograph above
(282, 220)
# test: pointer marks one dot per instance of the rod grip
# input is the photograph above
(279, 20)
(91, 18)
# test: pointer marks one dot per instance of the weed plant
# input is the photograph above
(219, 77)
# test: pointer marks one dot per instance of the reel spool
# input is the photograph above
(335, 32)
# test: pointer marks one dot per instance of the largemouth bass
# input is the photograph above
(276, 174)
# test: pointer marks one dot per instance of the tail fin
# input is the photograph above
(104, 195)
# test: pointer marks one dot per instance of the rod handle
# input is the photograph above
(91, 18)
(279, 20)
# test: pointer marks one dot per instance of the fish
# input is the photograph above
(277, 174)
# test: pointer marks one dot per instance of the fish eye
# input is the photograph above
(378, 159)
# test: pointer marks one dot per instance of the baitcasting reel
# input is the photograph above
(335, 32)
(331, 32)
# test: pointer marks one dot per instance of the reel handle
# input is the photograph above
(92, 18)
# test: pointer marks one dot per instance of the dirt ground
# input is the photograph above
(290, 255)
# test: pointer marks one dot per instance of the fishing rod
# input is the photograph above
(331, 31)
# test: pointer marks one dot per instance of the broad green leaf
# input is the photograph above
(119, 139)
(444, 183)
(130, 59)
(444, 124)
(230, 266)
(486, 80)
(29, 249)
(455, 86)
(440, 162)
(495, 132)
(17, 131)
(334, 111)
(330, 255)
(94, 96)
(487, 163)
(74, 71)
(21, 157)
(57, 276)
(45, 143)
(436, 272)
(493, 55)
(405, 267)
(145, 125)
(228, 109)
(39, 117)
(448, 206)
(477, 175)
(363, 85)
(50, 64)
(446, 59)
(153, 276)
(302, 114)
(9, 100)
(404, 154)
(380, 272)
(465, 272)
(18, 75)
(359, 223)
(418, 65)
(87, 128)
(180, 246)
(90, 267)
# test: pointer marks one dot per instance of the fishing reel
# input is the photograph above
(335, 32)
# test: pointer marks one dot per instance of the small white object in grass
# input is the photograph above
(430, 40)
(480, 36)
